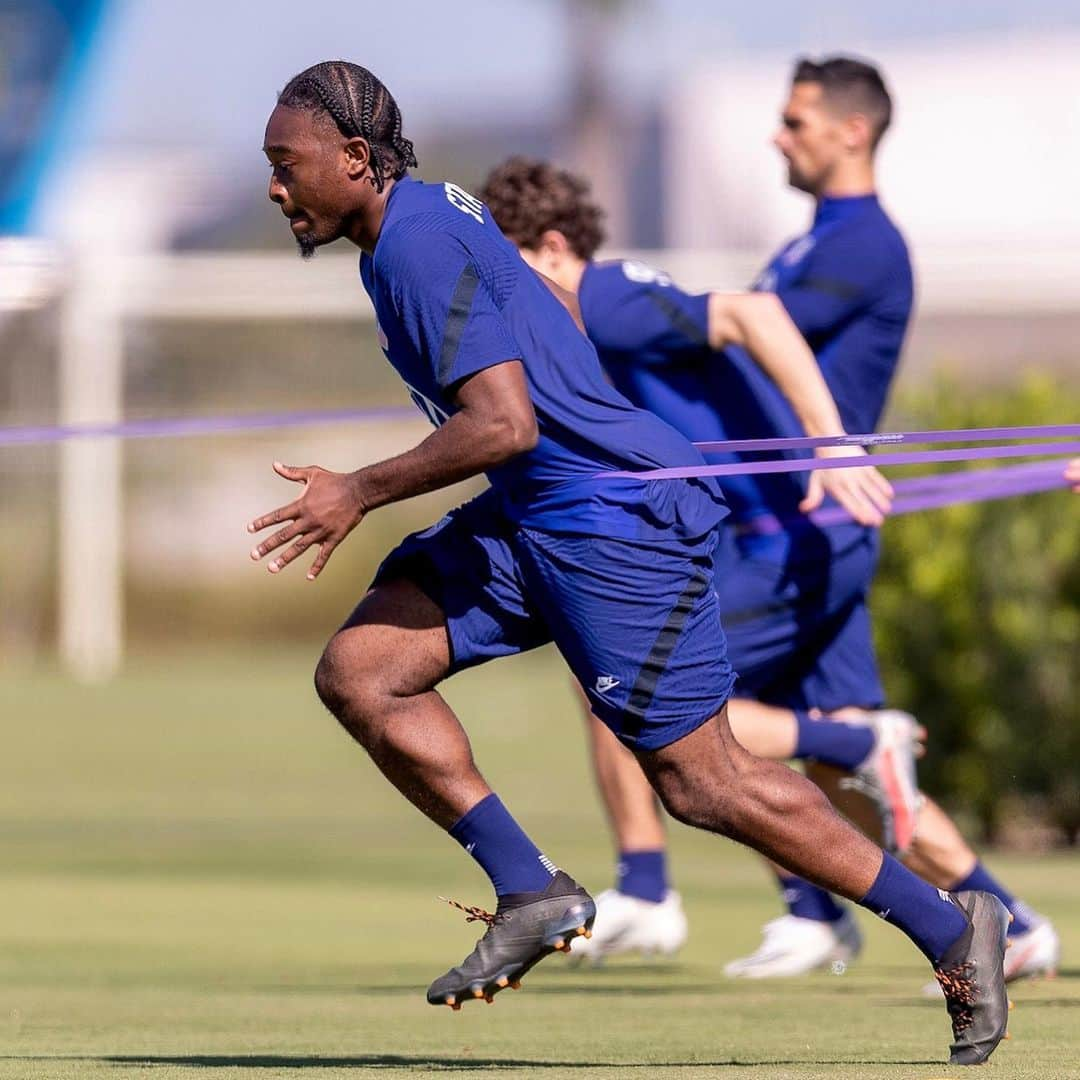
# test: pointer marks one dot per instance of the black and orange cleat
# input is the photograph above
(524, 929)
(972, 977)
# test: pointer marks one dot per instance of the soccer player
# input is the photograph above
(617, 572)
(793, 597)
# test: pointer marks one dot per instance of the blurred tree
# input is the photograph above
(592, 122)
(977, 612)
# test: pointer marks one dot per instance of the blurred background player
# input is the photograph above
(617, 571)
(793, 596)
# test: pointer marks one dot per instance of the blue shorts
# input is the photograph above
(637, 621)
(795, 614)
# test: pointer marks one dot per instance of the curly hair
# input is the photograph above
(528, 197)
(361, 107)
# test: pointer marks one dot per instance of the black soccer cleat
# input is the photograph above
(972, 977)
(525, 928)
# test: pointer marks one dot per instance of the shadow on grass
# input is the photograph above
(548, 989)
(424, 1061)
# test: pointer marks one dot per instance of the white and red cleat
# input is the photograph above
(1034, 953)
(626, 924)
(793, 945)
(887, 776)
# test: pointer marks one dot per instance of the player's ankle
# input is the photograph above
(643, 875)
(806, 901)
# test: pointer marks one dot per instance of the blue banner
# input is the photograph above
(45, 47)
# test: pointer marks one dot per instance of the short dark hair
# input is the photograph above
(361, 107)
(852, 84)
(527, 197)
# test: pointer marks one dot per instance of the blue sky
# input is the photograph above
(205, 71)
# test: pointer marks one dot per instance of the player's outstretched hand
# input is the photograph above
(860, 489)
(1072, 474)
(328, 509)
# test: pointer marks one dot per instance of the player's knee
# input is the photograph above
(330, 678)
(346, 685)
(692, 802)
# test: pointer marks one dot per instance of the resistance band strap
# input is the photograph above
(161, 427)
(886, 438)
(950, 489)
(920, 457)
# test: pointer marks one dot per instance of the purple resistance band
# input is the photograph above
(163, 427)
(1059, 431)
(948, 489)
(918, 493)
(919, 457)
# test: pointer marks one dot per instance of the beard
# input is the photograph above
(306, 244)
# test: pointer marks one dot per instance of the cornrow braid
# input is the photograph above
(361, 107)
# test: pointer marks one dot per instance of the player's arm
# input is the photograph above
(759, 323)
(495, 422)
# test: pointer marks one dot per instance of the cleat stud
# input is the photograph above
(1012, 1004)
(449, 999)
(502, 983)
(582, 931)
(489, 998)
(1007, 1035)
(587, 935)
(557, 944)
(516, 985)
(456, 1006)
(1012, 919)
(477, 992)
(1008, 944)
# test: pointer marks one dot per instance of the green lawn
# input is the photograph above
(201, 877)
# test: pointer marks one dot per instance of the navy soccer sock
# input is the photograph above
(498, 843)
(833, 742)
(924, 913)
(643, 874)
(981, 879)
(807, 901)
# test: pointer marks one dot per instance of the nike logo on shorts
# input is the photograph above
(605, 683)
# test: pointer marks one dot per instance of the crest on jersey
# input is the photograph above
(644, 274)
(798, 250)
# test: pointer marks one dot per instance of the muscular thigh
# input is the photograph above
(468, 565)
(396, 638)
(637, 624)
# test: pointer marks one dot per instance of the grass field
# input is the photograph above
(201, 877)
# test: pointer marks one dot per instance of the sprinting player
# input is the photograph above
(793, 598)
(619, 573)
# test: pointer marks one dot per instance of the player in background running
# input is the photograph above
(793, 596)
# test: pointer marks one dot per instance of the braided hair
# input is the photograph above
(361, 107)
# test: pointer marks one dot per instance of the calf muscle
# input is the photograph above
(378, 676)
(708, 780)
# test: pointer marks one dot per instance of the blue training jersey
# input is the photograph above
(452, 297)
(846, 284)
